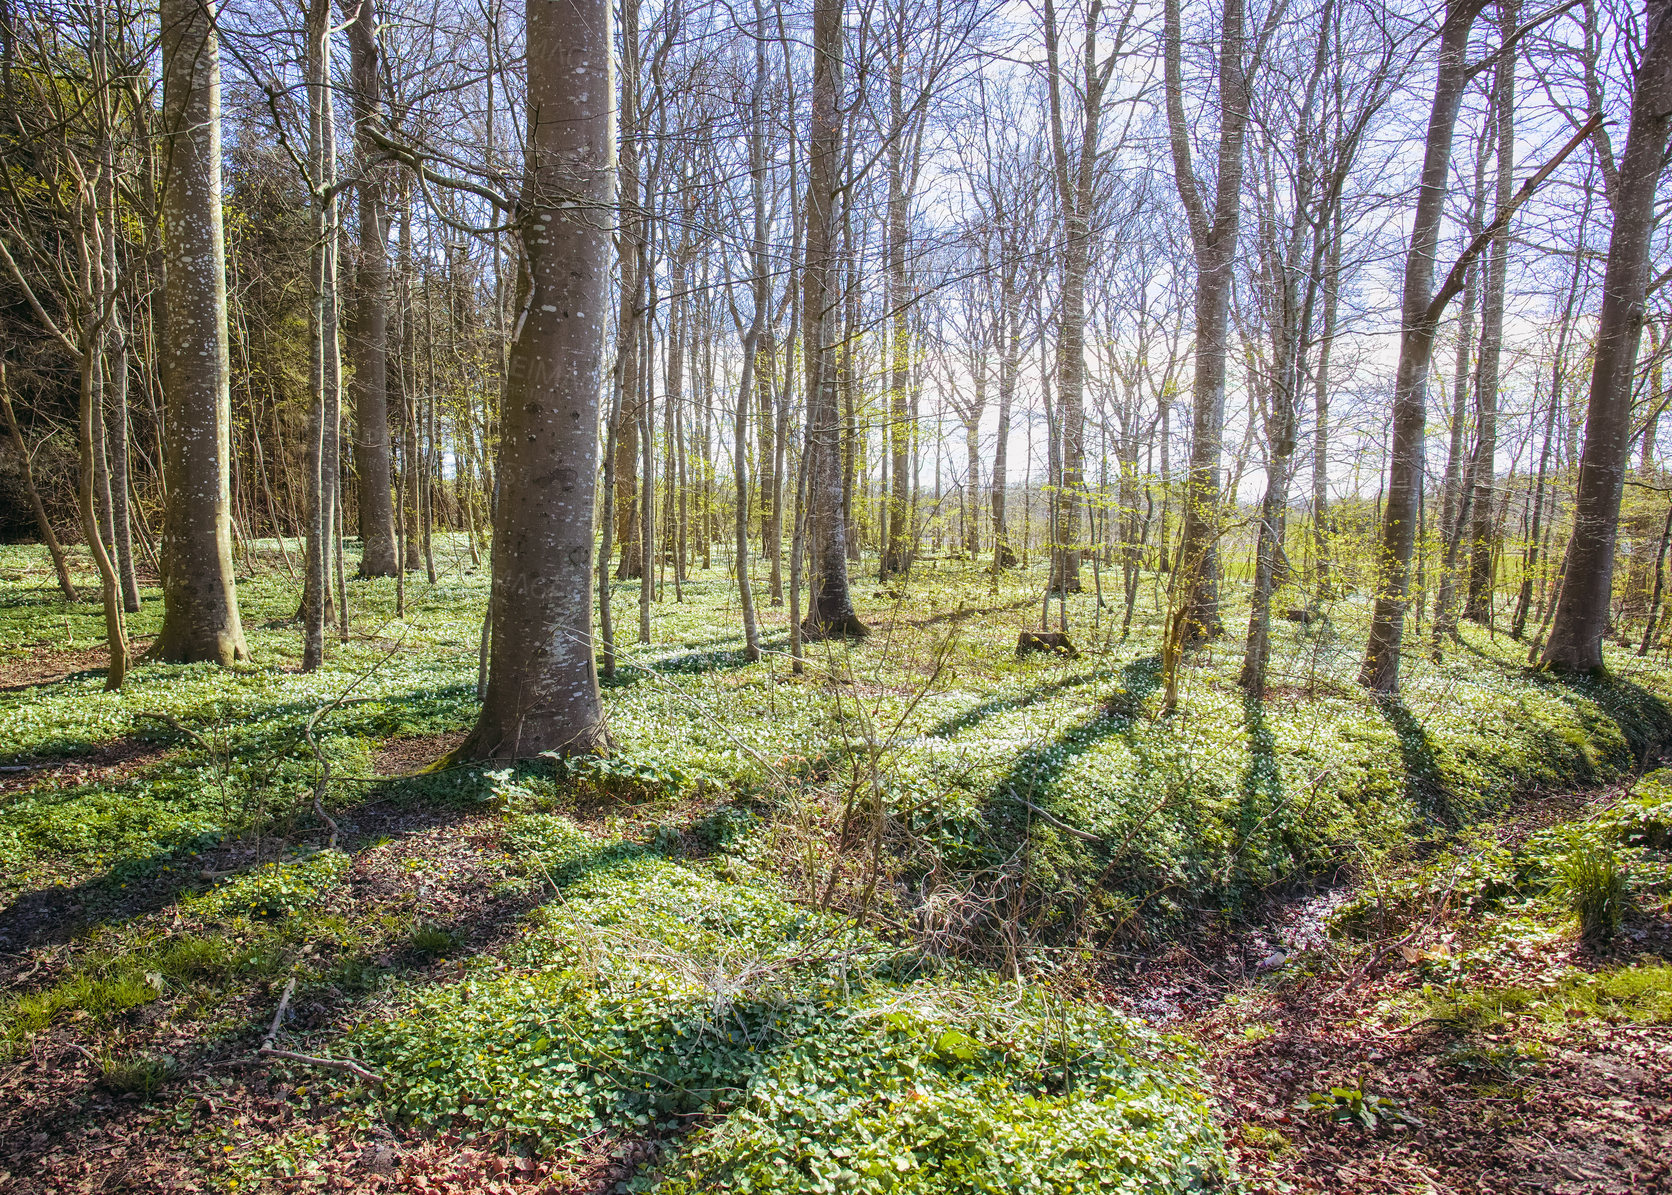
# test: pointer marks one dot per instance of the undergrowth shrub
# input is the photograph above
(1590, 868)
(140, 1074)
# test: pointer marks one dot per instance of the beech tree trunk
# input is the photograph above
(1581, 618)
(830, 610)
(200, 602)
(1213, 236)
(900, 547)
(370, 342)
(1075, 175)
(761, 294)
(1457, 488)
(1380, 669)
(116, 488)
(323, 473)
(1478, 607)
(627, 363)
(542, 692)
(116, 634)
(1320, 404)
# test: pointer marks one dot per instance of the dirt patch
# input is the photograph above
(48, 665)
(1579, 1106)
(223, 1108)
(1590, 1116)
(110, 762)
(407, 757)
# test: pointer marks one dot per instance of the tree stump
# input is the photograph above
(1055, 642)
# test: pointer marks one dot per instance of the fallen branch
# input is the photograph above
(1059, 823)
(268, 1050)
(337, 1064)
(278, 1016)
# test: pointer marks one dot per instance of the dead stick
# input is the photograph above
(341, 1064)
(278, 1016)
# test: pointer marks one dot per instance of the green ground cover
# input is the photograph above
(814, 931)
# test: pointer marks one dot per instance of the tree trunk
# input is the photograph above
(1214, 238)
(1320, 403)
(116, 634)
(1478, 607)
(1010, 355)
(628, 352)
(370, 343)
(200, 603)
(542, 690)
(322, 437)
(897, 554)
(830, 609)
(116, 378)
(1457, 489)
(1076, 195)
(115, 352)
(1660, 586)
(1581, 617)
(761, 296)
(1380, 669)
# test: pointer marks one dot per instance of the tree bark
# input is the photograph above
(1581, 617)
(900, 548)
(1074, 177)
(1660, 585)
(1478, 607)
(1457, 490)
(116, 634)
(370, 342)
(627, 332)
(1214, 238)
(1380, 669)
(322, 434)
(542, 690)
(1331, 284)
(830, 609)
(200, 602)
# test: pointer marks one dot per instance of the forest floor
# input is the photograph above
(1469, 1045)
(1328, 939)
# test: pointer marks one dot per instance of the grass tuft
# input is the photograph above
(1594, 885)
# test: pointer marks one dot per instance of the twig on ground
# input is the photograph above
(268, 1050)
(338, 1064)
(1060, 824)
(278, 1015)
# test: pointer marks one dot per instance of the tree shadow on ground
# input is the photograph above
(1641, 717)
(186, 864)
(1261, 789)
(976, 714)
(959, 614)
(1644, 719)
(629, 673)
(1426, 786)
(249, 987)
(1033, 773)
(57, 679)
